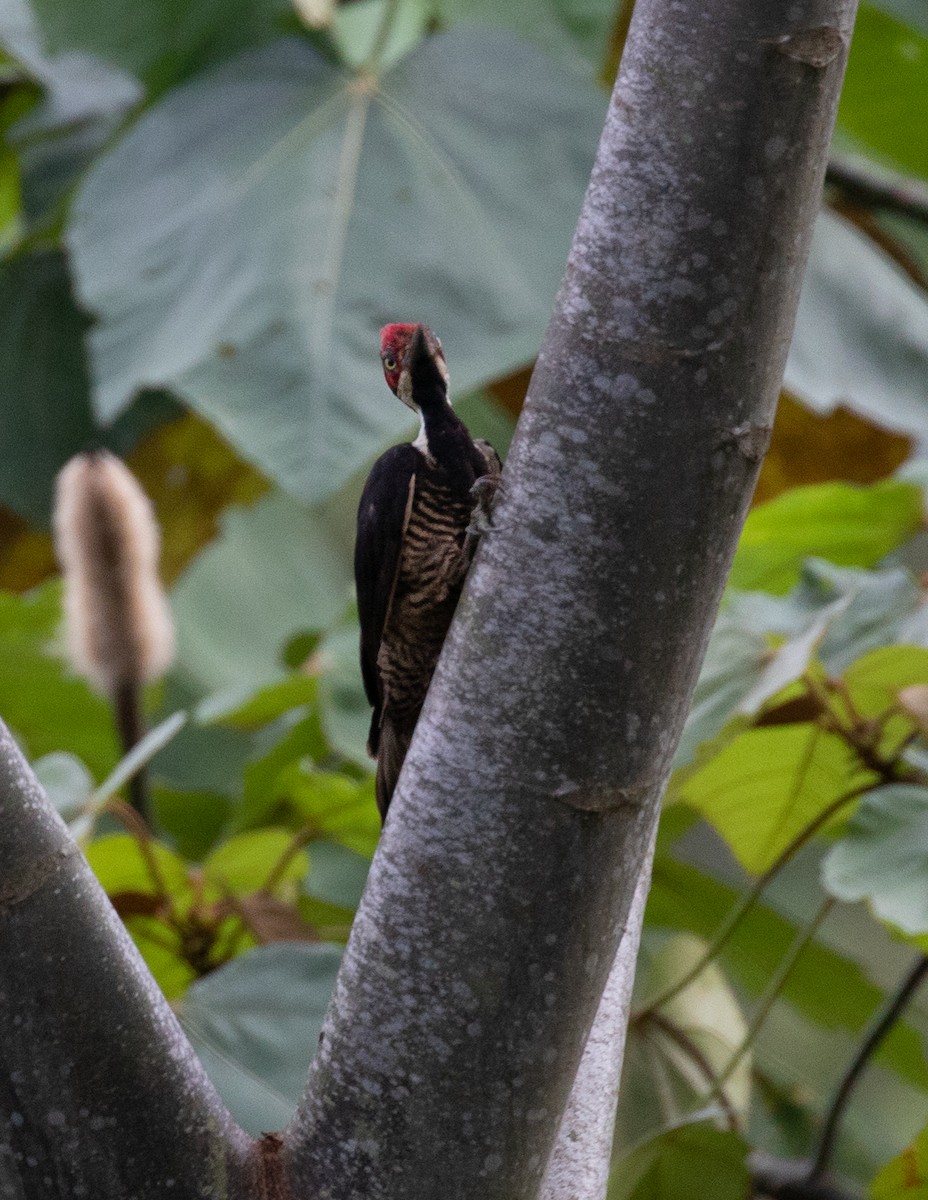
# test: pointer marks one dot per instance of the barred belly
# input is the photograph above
(433, 565)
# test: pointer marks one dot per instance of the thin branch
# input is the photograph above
(770, 996)
(681, 1038)
(787, 1179)
(130, 722)
(298, 842)
(746, 903)
(882, 1023)
(892, 193)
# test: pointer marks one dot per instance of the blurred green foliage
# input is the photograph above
(205, 213)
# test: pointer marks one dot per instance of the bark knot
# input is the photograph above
(817, 47)
(603, 797)
(749, 440)
(32, 877)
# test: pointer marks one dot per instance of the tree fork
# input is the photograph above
(526, 810)
(523, 816)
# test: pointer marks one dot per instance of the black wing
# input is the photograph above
(383, 515)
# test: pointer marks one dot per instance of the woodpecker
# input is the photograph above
(419, 517)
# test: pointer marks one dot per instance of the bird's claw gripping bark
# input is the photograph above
(483, 492)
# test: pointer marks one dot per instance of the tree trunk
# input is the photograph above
(579, 1166)
(528, 800)
(101, 1095)
(516, 840)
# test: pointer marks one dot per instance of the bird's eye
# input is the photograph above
(389, 362)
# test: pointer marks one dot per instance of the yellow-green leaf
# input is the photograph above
(765, 787)
(848, 525)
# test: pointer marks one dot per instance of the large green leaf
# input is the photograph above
(735, 660)
(880, 608)
(884, 101)
(44, 705)
(345, 711)
(160, 41)
(883, 857)
(861, 335)
(337, 808)
(66, 782)
(689, 1162)
(910, 12)
(575, 29)
(850, 526)
(45, 415)
(337, 875)
(123, 864)
(82, 102)
(275, 569)
(255, 1024)
(874, 680)
(765, 787)
(246, 862)
(246, 238)
(825, 987)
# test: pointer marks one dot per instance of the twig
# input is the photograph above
(882, 1023)
(747, 902)
(681, 1039)
(892, 193)
(802, 939)
(299, 840)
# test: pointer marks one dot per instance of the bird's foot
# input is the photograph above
(483, 492)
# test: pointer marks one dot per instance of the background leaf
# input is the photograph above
(865, 347)
(690, 1162)
(849, 526)
(887, 48)
(883, 857)
(160, 41)
(44, 705)
(768, 784)
(325, 182)
(257, 1020)
(905, 1177)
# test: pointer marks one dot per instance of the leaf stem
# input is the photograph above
(674, 1033)
(136, 827)
(882, 1023)
(299, 840)
(372, 62)
(775, 986)
(744, 905)
(896, 194)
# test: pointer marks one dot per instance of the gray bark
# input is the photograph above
(507, 868)
(100, 1093)
(579, 1166)
(524, 814)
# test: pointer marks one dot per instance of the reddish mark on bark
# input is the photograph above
(270, 1179)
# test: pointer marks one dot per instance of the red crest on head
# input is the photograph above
(395, 337)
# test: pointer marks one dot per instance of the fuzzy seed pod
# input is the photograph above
(118, 623)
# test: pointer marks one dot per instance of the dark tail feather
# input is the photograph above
(390, 755)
